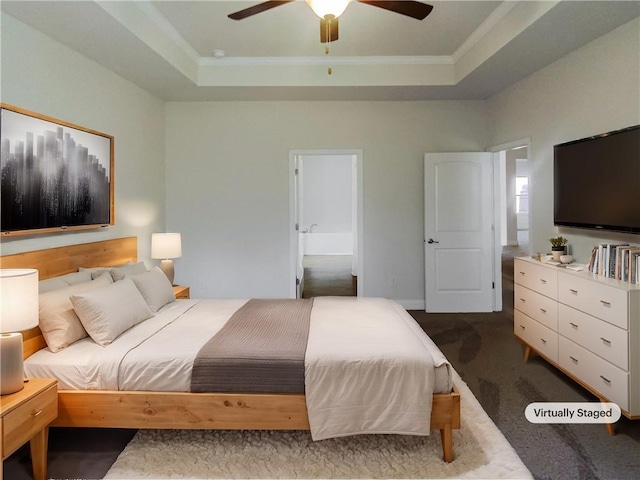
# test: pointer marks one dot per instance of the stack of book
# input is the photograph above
(620, 262)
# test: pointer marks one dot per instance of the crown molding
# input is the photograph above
(503, 25)
(324, 60)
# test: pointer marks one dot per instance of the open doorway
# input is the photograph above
(326, 222)
(514, 193)
(512, 216)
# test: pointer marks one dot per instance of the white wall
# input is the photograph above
(327, 187)
(227, 186)
(226, 163)
(593, 90)
(44, 76)
(326, 204)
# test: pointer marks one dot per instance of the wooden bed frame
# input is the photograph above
(178, 410)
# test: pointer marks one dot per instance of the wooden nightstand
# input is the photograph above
(26, 416)
(181, 291)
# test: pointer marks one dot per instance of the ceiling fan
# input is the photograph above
(330, 10)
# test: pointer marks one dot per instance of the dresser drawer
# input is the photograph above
(536, 335)
(602, 338)
(605, 378)
(538, 278)
(601, 301)
(23, 422)
(540, 308)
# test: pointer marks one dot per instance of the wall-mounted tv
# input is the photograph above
(596, 182)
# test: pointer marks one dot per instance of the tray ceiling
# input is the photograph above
(462, 50)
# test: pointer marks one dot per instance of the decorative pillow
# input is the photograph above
(109, 311)
(59, 323)
(63, 281)
(154, 287)
(118, 273)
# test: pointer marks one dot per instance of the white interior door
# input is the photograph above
(459, 232)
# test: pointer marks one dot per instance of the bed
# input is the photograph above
(170, 407)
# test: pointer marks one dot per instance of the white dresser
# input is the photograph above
(585, 325)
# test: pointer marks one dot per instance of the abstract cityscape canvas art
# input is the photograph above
(54, 175)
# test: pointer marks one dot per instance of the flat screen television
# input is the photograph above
(596, 182)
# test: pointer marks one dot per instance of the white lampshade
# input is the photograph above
(166, 245)
(322, 8)
(19, 299)
(18, 311)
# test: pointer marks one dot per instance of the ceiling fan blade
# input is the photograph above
(417, 10)
(259, 8)
(329, 26)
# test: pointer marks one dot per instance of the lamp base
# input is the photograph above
(11, 364)
(167, 267)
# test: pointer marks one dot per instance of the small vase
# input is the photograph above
(557, 252)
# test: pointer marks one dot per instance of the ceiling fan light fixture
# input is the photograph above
(322, 8)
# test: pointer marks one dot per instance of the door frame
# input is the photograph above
(488, 162)
(359, 212)
(497, 214)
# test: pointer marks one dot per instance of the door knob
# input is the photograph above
(431, 240)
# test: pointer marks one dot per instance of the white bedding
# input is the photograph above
(369, 367)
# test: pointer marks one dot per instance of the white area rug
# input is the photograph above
(481, 451)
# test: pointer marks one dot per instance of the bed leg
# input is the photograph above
(446, 435)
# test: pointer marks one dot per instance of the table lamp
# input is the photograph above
(19, 311)
(166, 246)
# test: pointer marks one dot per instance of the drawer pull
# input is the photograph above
(35, 414)
(522, 273)
(575, 292)
(573, 359)
(573, 325)
(543, 310)
(605, 304)
(543, 341)
(522, 327)
(605, 379)
(544, 282)
(604, 340)
(523, 300)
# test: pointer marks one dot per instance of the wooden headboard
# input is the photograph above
(53, 262)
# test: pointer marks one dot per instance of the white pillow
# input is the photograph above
(97, 271)
(58, 322)
(155, 287)
(118, 273)
(63, 281)
(51, 284)
(76, 278)
(109, 311)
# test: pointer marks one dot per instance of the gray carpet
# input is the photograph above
(487, 356)
(485, 353)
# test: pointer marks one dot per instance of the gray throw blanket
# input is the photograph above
(261, 348)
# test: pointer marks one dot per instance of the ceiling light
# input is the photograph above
(322, 8)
